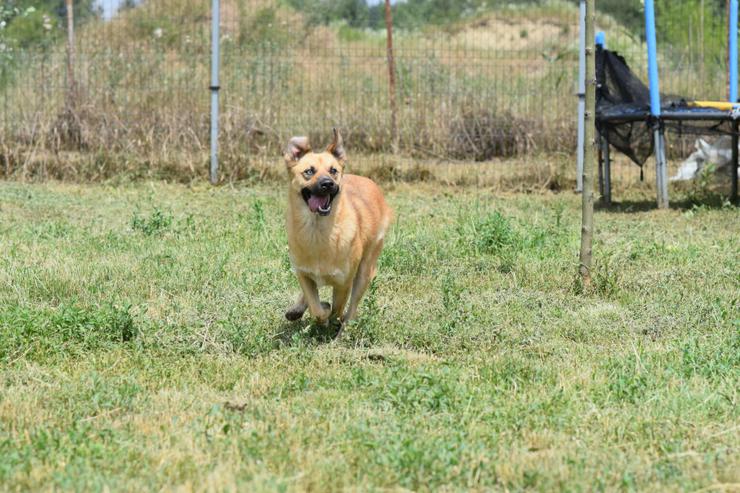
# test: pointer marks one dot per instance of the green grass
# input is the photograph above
(142, 347)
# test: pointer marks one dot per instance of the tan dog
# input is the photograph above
(336, 224)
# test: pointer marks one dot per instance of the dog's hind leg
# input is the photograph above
(296, 311)
(339, 300)
(365, 274)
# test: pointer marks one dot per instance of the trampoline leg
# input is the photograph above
(734, 168)
(581, 150)
(601, 165)
(661, 170)
(607, 174)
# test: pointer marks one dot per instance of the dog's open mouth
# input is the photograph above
(320, 204)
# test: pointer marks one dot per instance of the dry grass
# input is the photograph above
(531, 174)
(500, 85)
(143, 94)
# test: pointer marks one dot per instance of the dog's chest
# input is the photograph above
(323, 255)
(322, 276)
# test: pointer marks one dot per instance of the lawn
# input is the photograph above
(143, 346)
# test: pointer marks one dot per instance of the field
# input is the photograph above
(142, 346)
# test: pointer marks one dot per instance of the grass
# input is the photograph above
(142, 346)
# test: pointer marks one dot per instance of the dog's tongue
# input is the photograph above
(315, 202)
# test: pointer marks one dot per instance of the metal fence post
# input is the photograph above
(391, 76)
(215, 22)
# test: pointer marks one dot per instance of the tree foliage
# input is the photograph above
(673, 17)
(34, 23)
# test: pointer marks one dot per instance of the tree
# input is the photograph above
(32, 23)
(354, 12)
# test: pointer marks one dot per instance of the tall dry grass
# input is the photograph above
(500, 85)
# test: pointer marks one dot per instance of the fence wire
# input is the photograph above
(476, 80)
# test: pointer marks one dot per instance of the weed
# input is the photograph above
(68, 329)
(156, 223)
(699, 356)
(412, 389)
(606, 277)
(628, 379)
(186, 225)
(558, 209)
(495, 234)
(453, 314)
(257, 218)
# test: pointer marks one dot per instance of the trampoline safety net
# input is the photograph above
(623, 110)
(620, 93)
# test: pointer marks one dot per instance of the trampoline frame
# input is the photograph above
(656, 117)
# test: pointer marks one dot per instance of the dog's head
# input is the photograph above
(316, 177)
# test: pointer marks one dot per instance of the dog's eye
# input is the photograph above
(333, 170)
(309, 172)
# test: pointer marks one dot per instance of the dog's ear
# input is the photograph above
(336, 148)
(296, 149)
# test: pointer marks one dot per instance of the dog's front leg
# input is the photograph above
(311, 296)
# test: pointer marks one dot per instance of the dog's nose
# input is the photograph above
(326, 184)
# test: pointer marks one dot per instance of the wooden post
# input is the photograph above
(391, 76)
(587, 197)
(581, 92)
(71, 83)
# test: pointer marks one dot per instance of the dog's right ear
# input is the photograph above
(297, 148)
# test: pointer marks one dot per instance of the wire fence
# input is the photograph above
(475, 81)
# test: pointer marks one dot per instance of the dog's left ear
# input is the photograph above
(336, 148)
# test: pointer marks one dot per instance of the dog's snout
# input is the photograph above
(326, 184)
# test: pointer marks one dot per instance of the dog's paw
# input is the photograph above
(295, 312)
(338, 326)
(323, 317)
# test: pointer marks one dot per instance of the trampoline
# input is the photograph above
(633, 117)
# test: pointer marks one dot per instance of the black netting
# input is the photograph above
(621, 93)
(623, 110)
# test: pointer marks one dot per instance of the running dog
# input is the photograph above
(336, 225)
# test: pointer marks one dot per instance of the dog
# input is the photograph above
(718, 153)
(336, 224)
